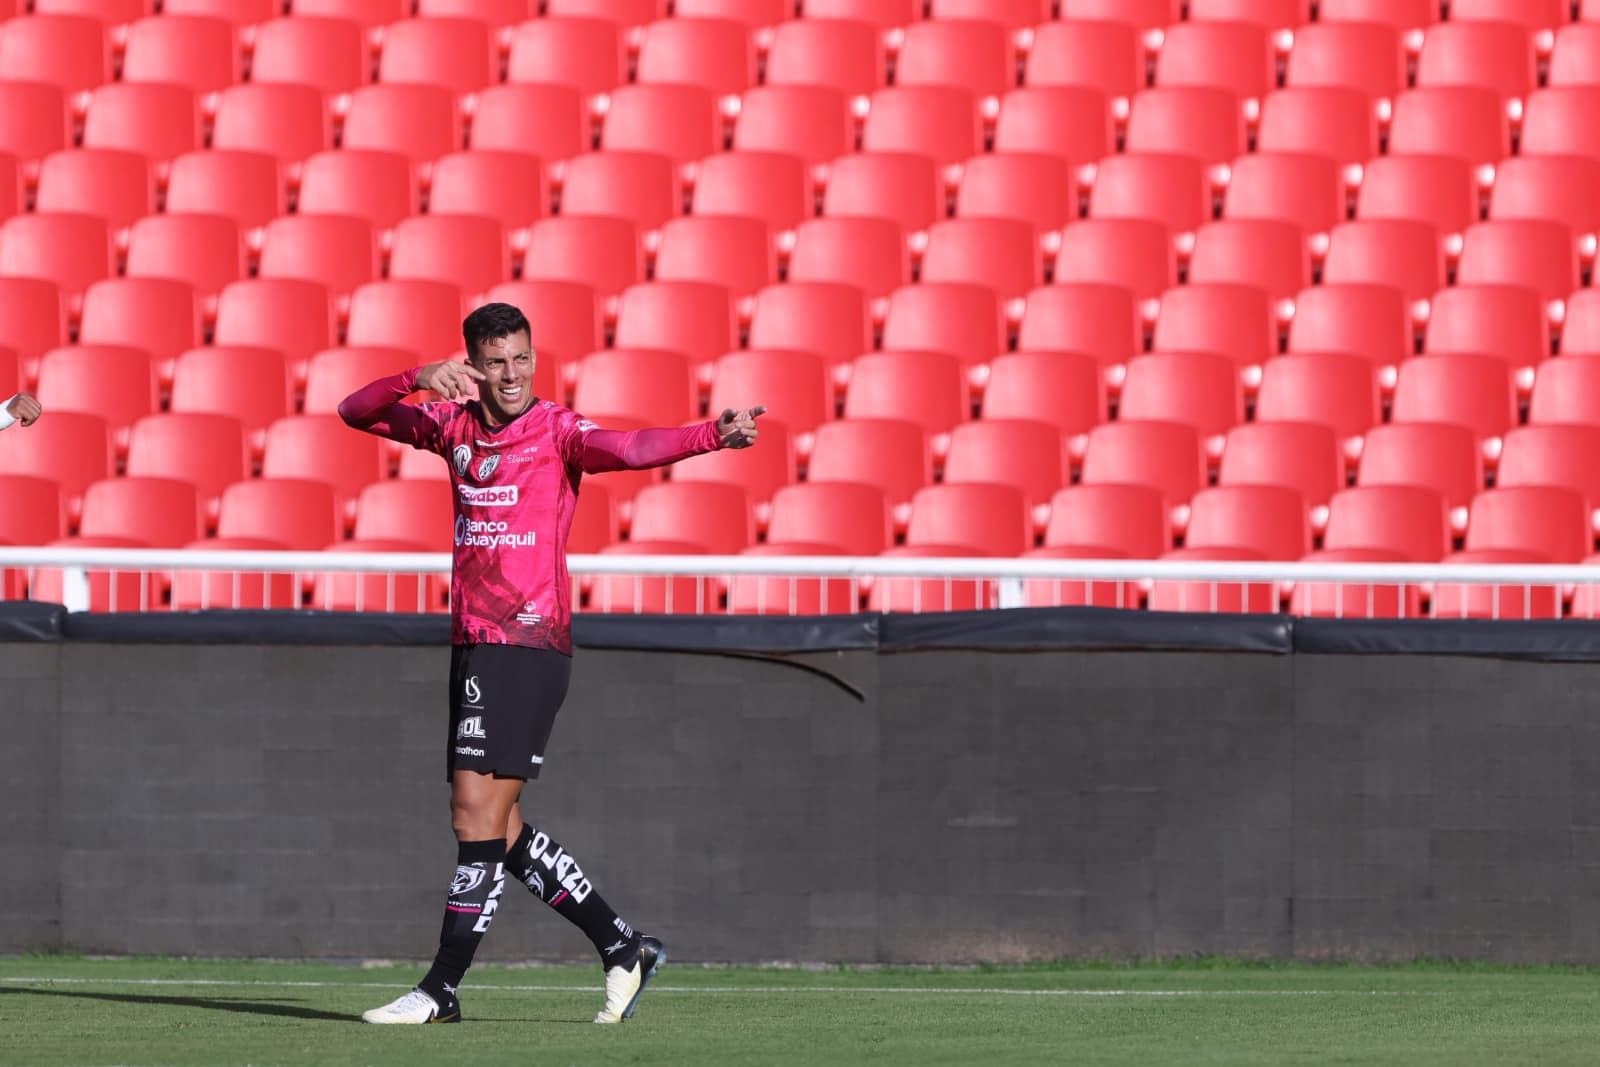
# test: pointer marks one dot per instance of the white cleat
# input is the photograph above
(415, 1007)
(625, 984)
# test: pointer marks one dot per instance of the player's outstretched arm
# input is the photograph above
(377, 408)
(21, 408)
(614, 450)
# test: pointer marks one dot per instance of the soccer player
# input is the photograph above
(21, 408)
(515, 465)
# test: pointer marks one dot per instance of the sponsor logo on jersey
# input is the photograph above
(488, 496)
(466, 880)
(527, 455)
(471, 729)
(489, 533)
(459, 458)
(487, 466)
(585, 425)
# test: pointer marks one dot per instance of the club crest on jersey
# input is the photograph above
(460, 458)
(487, 466)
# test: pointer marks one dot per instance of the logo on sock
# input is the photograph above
(466, 880)
(536, 883)
(613, 948)
(623, 928)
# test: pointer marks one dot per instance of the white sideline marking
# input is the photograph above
(919, 990)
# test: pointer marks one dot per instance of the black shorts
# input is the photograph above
(503, 702)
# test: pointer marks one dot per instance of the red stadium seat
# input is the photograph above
(287, 314)
(1268, 14)
(368, 14)
(112, 13)
(1113, 520)
(883, 14)
(1302, 189)
(694, 318)
(895, 186)
(1012, 14)
(380, 187)
(601, 253)
(812, 122)
(849, 517)
(585, 53)
(1046, 592)
(204, 250)
(1451, 120)
(627, 14)
(1452, 600)
(246, 187)
(1357, 55)
(1267, 520)
(755, 375)
(1407, 520)
(926, 388)
(108, 590)
(10, 372)
(1401, 14)
(841, 54)
(298, 513)
(1439, 190)
(827, 318)
(251, 384)
(1133, 253)
(1370, 321)
(1572, 59)
(1551, 455)
(594, 521)
(930, 594)
(111, 184)
(1566, 390)
(891, 454)
(207, 451)
(159, 122)
(563, 317)
(70, 52)
(1400, 253)
(1002, 254)
(194, 590)
(1535, 253)
(1266, 254)
(1228, 55)
(1034, 189)
(961, 318)
(1493, 55)
(322, 448)
(455, 53)
(287, 122)
(419, 122)
(1203, 123)
(728, 250)
(1497, 320)
(1068, 124)
(1474, 391)
(498, 14)
(1326, 389)
(971, 54)
(1197, 389)
(939, 121)
(715, 54)
(680, 122)
(158, 512)
(468, 251)
(328, 53)
(35, 514)
(338, 251)
(113, 381)
(758, 475)
(241, 13)
(192, 50)
(771, 186)
(1552, 521)
(1168, 189)
(1580, 334)
(990, 520)
(1355, 600)
(158, 315)
(1439, 456)
(71, 448)
(1336, 122)
(13, 193)
(653, 595)
(335, 373)
(715, 517)
(1228, 320)
(415, 314)
(34, 120)
(1019, 453)
(1096, 320)
(33, 320)
(638, 186)
(1104, 56)
(1562, 121)
(1303, 456)
(70, 250)
(545, 121)
(406, 511)
(754, 14)
(1556, 188)
(651, 386)
(375, 590)
(1165, 456)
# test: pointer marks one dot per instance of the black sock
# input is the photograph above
(474, 897)
(555, 878)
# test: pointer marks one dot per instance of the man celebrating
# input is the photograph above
(20, 408)
(515, 465)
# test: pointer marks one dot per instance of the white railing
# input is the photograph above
(793, 584)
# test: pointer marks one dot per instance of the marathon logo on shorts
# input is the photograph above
(463, 750)
(489, 533)
(488, 496)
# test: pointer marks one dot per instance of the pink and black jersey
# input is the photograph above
(515, 488)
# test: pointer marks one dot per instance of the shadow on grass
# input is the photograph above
(248, 1007)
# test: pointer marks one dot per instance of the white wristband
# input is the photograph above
(6, 418)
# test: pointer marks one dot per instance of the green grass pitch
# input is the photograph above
(68, 1010)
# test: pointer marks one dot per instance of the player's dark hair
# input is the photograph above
(489, 323)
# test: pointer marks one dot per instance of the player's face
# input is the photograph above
(507, 365)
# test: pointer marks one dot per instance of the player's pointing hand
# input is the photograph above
(24, 408)
(450, 378)
(737, 429)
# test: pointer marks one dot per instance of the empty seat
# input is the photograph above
(71, 448)
(649, 595)
(545, 121)
(335, 373)
(601, 253)
(989, 520)
(931, 594)
(1336, 122)
(339, 251)
(157, 512)
(1400, 253)
(1580, 334)
(1355, 600)
(109, 183)
(680, 122)
(419, 122)
(1165, 456)
(1266, 254)
(1494, 55)
(1555, 188)
(287, 122)
(1234, 321)
(963, 319)
(926, 388)
(1020, 453)
(1299, 188)
(1066, 123)
(585, 53)
(368, 14)
(241, 13)
(842, 54)
(35, 515)
(638, 186)
(1407, 520)
(1497, 320)
(1453, 600)
(1197, 389)
(34, 119)
(1132, 253)
(1228, 55)
(758, 474)
(828, 318)
(1204, 123)
(1002, 254)
(193, 50)
(1358, 55)
(322, 448)
(1267, 520)
(1401, 14)
(1168, 189)
(377, 186)
(695, 318)
(1562, 121)
(1038, 190)
(884, 14)
(1303, 456)
(897, 186)
(158, 121)
(329, 53)
(113, 381)
(204, 250)
(891, 454)
(498, 14)
(206, 450)
(1268, 14)
(728, 250)
(627, 14)
(563, 317)
(1552, 521)
(971, 54)
(1330, 389)
(374, 590)
(594, 521)
(812, 122)
(1551, 454)
(1474, 391)
(1566, 390)
(939, 121)
(771, 186)
(33, 320)
(70, 52)
(1440, 190)
(290, 315)
(1096, 320)
(1572, 59)
(715, 54)
(251, 384)
(159, 315)
(1454, 120)
(406, 511)
(70, 250)
(651, 386)
(717, 518)
(455, 53)
(467, 251)
(758, 375)
(1370, 321)
(247, 187)
(1441, 456)
(849, 517)
(297, 513)
(1012, 14)
(1113, 519)
(417, 314)
(1535, 253)
(1104, 56)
